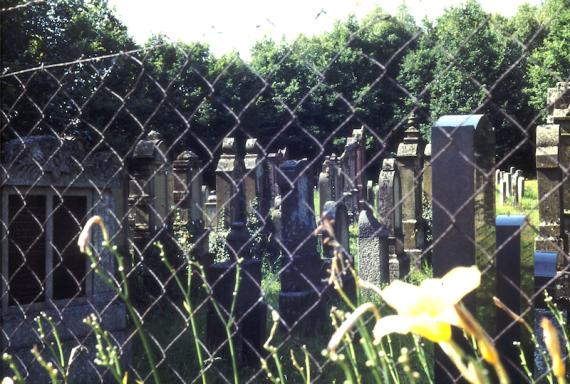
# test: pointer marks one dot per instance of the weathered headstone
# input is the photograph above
(508, 290)
(370, 193)
(360, 140)
(497, 177)
(150, 192)
(503, 192)
(249, 324)
(325, 184)
(390, 216)
(211, 210)
(463, 156)
(337, 212)
(275, 159)
(301, 263)
(426, 176)
(372, 248)
(520, 188)
(256, 183)
(549, 179)
(187, 199)
(229, 185)
(410, 162)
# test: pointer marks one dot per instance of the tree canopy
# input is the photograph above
(306, 94)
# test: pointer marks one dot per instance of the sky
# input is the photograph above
(237, 24)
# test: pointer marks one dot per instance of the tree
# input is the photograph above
(468, 62)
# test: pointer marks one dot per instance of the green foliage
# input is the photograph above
(550, 62)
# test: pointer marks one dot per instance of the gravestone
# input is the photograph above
(360, 140)
(370, 193)
(150, 191)
(545, 265)
(373, 253)
(337, 212)
(348, 162)
(508, 290)
(463, 156)
(325, 185)
(390, 217)
(229, 185)
(503, 192)
(498, 177)
(188, 202)
(256, 181)
(275, 159)
(426, 176)
(549, 179)
(520, 187)
(50, 186)
(410, 163)
(211, 210)
(249, 326)
(300, 259)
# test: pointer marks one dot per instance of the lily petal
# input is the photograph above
(391, 324)
(460, 281)
(401, 296)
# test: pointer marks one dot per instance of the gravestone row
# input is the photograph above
(511, 185)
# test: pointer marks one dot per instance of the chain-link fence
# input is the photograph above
(262, 220)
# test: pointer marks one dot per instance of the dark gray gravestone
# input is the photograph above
(249, 318)
(300, 260)
(337, 212)
(250, 312)
(373, 251)
(508, 259)
(463, 197)
(544, 274)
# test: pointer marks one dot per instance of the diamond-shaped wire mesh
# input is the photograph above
(259, 220)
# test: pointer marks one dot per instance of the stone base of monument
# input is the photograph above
(398, 266)
(302, 311)
(414, 257)
(346, 279)
(72, 332)
(300, 273)
(250, 312)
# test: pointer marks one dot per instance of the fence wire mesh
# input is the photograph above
(255, 220)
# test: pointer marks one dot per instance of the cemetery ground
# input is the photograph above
(172, 332)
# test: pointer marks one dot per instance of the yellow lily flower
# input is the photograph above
(428, 309)
(553, 346)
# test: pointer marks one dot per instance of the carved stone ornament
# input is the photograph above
(59, 162)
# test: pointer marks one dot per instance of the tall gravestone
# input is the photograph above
(249, 318)
(188, 200)
(426, 176)
(338, 213)
(229, 184)
(257, 186)
(150, 189)
(348, 161)
(326, 192)
(549, 179)
(274, 160)
(300, 259)
(463, 199)
(390, 216)
(360, 177)
(373, 250)
(508, 290)
(410, 163)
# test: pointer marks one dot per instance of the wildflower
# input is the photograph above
(427, 310)
(553, 346)
(7, 380)
(85, 235)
